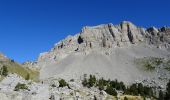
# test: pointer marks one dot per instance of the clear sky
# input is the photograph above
(29, 27)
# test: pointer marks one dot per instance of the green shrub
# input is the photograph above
(27, 77)
(4, 71)
(161, 95)
(62, 83)
(158, 61)
(167, 96)
(85, 82)
(92, 81)
(89, 82)
(118, 85)
(20, 86)
(110, 90)
(125, 98)
(102, 83)
(113, 86)
(139, 89)
(149, 66)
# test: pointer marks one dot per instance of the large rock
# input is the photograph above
(3, 96)
(9, 82)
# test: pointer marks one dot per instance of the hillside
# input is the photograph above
(108, 51)
(14, 67)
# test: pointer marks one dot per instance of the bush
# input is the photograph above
(111, 87)
(110, 90)
(92, 81)
(85, 82)
(149, 66)
(118, 85)
(139, 89)
(167, 96)
(89, 82)
(102, 83)
(62, 83)
(12, 60)
(27, 77)
(161, 95)
(125, 98)
(4, 71)
(20, 86)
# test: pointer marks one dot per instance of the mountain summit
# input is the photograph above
(109, 36)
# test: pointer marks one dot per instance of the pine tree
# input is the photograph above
(62, 83)
(110, 90)
(125, 98)
(161, 95)
(167, 96)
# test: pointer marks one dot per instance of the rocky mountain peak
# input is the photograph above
(108, 36)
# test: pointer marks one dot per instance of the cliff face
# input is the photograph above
(108, 36)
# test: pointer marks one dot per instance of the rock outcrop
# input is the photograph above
(108, 36)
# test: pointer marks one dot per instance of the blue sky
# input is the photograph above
(29, 27)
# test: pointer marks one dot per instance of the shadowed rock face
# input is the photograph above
(110, 48)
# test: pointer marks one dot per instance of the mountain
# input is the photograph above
(107, 50)
(125, 62)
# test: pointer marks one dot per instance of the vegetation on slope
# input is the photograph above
(136, 90)
(13, 67)
(112, 87)
(149, 63)
(62, 83)
(20, 86)
(4, 71)
(167, 65)
(167, 94)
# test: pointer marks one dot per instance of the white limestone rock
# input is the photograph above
(3, 96)
(9, 83)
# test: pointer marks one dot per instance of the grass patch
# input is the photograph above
(149, 66)
(167, 65)
(149, 63)
(13, 67)
(130, 97)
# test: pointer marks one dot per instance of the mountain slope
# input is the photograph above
(106, 50)
(14, 67)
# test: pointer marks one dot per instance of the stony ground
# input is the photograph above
(48, 90)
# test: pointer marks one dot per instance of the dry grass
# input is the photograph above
(20, 70)
(130, 97)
